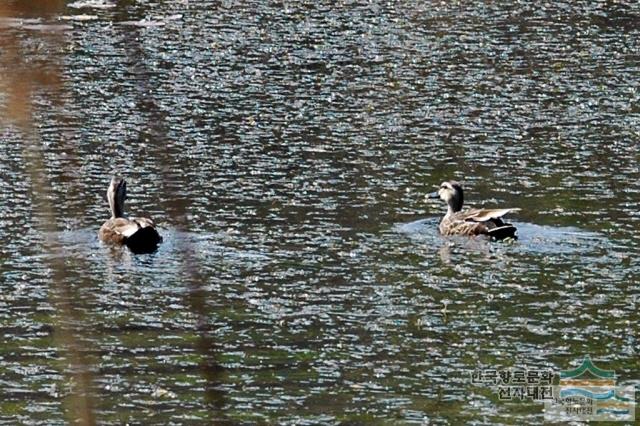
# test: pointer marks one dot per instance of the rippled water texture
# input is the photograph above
(284, 150)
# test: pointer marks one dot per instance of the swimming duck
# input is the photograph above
(473, 221)
(137, 233)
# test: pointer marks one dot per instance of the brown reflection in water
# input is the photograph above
(21, 81)
(31, 8)
(176, 206)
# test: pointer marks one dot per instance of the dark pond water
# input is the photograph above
(284, 149)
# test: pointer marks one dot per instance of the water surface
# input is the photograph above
(285, 151)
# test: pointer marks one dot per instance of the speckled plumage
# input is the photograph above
(138, 233)
(472, 221)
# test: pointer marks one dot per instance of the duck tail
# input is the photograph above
(145, 240)
(502, 232)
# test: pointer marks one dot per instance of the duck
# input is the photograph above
(471, 222)
(137, 233)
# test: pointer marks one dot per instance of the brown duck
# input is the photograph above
(137, 233)
(472, 221)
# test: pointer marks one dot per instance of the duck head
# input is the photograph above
(116, 194)
(451, 193)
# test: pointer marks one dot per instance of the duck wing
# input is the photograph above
(126, 227)
(143, 222)
(489, 222)
(117, 230)
(121, 228)
(485, 215)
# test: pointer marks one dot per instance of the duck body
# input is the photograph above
(471, 222)
(478, 222)
(137, 233)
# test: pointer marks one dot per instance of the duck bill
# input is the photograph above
(433, 195)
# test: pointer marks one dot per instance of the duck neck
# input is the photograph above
(117, 209)
(455, 204)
